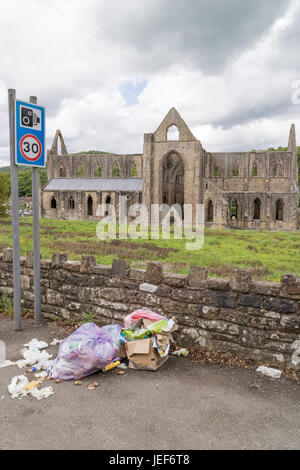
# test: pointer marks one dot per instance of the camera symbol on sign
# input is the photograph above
(30, 118)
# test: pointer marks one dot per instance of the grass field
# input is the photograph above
(267, 254)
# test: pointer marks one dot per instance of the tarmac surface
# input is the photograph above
(183, 405)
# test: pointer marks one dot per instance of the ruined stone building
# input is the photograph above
(251, 190)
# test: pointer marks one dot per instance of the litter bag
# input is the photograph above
(85, 351)
(132, 318)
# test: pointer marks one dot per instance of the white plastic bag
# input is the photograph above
(17, 387)
(274, 373)
(36, 344)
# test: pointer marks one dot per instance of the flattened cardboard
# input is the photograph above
(140, 346)
(143, 356)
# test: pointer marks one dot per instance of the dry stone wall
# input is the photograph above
(252, 319)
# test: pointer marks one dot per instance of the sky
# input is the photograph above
(108, 72)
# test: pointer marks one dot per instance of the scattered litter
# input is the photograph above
(36, 344)
(147, 341)
(31, 385)
(111, 366)
(86, 351)
(33, 356)
(149, 329)
(41, 375)
(55, 341)
(180, 352)
(274, 373)
(17, 387)
(131, 319)
(122, 366)
(5, 364)
(20, 387)
(39, 394)
(3, 396)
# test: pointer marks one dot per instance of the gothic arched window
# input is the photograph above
(62, 171)
(116, 170)
(279, 209)
(210, 211)
(133, 170)
(234, 209)
(173, 132)
(216, 171)
(256, 209)
(71, 203)
(235, 170)
(80, 171)
(98, 171)
(90, 205)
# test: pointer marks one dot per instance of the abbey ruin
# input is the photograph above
(247, 190)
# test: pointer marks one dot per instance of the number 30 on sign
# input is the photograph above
(30, 134)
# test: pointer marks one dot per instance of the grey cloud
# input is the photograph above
(280, 107)
(206, 34)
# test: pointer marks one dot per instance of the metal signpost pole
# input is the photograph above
(36, 238)
(15, 210)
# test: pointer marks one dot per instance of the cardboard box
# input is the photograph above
(142, 354)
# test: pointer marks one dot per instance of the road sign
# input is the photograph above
(30, 134)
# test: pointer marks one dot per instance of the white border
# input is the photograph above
(43, 143)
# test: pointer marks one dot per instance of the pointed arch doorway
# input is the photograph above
(172, 181)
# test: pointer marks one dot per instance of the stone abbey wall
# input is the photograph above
(245, 190)
(252, 319)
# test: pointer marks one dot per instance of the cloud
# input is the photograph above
(109, 71)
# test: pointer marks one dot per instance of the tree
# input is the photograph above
(4, 193)
(25, 185)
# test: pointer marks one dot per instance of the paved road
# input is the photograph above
(181, 406)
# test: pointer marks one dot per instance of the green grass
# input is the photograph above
(267, 254)
(6, 305)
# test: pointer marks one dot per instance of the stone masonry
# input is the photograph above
(246, 190)
(251, 319)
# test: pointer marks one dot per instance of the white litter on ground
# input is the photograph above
(17, 389)
(41, 374)
(274, 373)
(36, 344)
(40, 359)
(122, 366)
(5, 364)
(55, 341)
(33, 356)
(3, 396)
(39, 394)
(181, 352)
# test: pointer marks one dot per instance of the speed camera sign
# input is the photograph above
(30, 134)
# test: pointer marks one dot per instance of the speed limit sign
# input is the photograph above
(31, 147)
(30, 134)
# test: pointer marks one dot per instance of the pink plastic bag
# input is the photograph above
(132, 318)
(85, 351)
